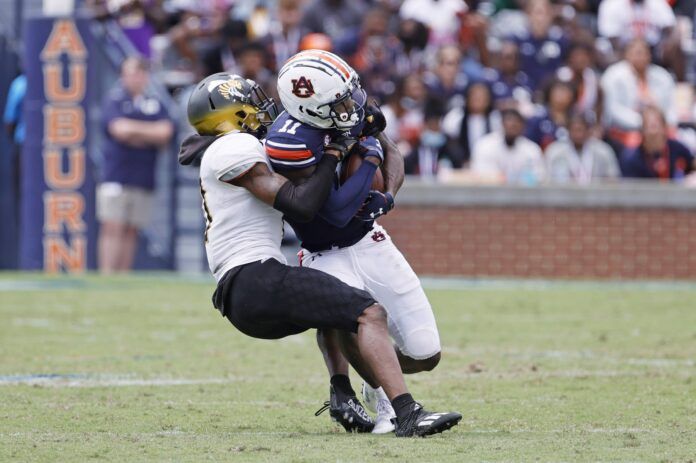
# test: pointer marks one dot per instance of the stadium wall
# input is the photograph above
(622, 231)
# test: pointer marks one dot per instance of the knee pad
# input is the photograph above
(421, 344)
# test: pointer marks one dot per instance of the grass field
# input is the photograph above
(143, 369)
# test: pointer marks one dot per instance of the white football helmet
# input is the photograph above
(320, 89)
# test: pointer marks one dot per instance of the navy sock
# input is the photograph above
(403, 405)
(342, 383)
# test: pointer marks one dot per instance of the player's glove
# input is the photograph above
(372, 147)
(342, 144)
(376, 205)
(375, 122)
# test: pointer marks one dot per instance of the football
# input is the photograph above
(352, 163)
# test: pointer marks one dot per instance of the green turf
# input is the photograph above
(557, 373)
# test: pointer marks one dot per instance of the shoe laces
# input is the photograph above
(412, 417)
(325, 407)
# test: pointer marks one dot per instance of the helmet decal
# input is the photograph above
(302, 87)
(231, 87)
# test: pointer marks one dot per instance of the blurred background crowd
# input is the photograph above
(520, 92)
(516, 91)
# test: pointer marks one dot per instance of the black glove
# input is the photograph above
(342, 143)
(376, 205)
(375, 122)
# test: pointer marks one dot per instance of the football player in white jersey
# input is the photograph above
(243, 203)
(352, 247)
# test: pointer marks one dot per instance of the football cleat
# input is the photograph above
(423, 423)
(347, 411)
(377, 402)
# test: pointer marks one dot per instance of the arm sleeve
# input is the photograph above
(343, 202)
(302, 202)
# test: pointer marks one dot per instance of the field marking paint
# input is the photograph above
(472, 353)
(70, 381)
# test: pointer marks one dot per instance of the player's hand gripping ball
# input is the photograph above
(376, 205)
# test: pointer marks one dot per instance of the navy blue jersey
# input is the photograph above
(293, 145)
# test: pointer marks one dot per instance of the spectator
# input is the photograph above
(508, 81)
(335, 18)
(13, 119)
(543, 47)
(285, 34)
(139, 20)
(551, 123)
(431, 152)
(630, 85)
(224, 58)
(466, 126)
(198, 28)
(622, 21)
(446, 82)
(582, 158)
(373, 51)
(404, 112)
(253, 65)
(441, 16)
(507, 156)
(658, 156)
(580, 72)
(414, 38)
(136, 126)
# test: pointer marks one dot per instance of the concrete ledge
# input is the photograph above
(624, 195)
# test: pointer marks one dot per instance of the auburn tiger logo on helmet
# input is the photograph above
(302, 87)
(320, 89)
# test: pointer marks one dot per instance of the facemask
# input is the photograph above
(432, 139)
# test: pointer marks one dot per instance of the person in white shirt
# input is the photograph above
(507, 156)
(582, 159)
(244, 202)
(630, 85)
(624, 20)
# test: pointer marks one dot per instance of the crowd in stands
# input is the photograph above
(500, 91)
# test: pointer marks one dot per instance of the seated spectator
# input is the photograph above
(373, 51)
(630, 85)
(441, 16)
(551, 122)
(657, 156)
(622, 21)
(139, 19)
(136, 126)
(335, 18)
(580, 71)
(543, 47)
(464, 127)
(413, 36)
(508, 81)
(285, 33)
(506, 156)
(224, 58)
(581, 158)
(198, 28)
(446, 81)
(404, 112)
(431, 153)
(252, 64)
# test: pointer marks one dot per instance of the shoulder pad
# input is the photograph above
(291, 144)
